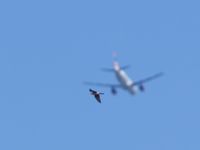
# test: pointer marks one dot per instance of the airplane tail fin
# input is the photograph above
(114, 55)
(115, 62)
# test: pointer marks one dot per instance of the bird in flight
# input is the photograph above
(96, 95)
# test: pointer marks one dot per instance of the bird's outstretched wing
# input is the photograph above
(93, 91)
(148, 79)
(98, 98)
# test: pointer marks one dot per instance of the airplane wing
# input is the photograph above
(103, 84)
(148, 79)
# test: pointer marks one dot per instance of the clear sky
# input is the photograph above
(49, 48)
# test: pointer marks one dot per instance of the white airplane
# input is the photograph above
(124, 81)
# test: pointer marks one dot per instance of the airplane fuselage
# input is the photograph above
(123, 78)
(124, 81)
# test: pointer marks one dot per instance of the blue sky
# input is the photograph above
(48, 48)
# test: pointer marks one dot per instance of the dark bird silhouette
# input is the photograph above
(96, 95)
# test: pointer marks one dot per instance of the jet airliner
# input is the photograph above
(125, 82)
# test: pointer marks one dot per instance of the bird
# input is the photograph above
(96, 95)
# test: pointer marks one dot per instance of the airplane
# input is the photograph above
(125, 82)
(96, 95)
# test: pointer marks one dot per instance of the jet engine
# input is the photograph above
(113, 90)
(141, 87)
